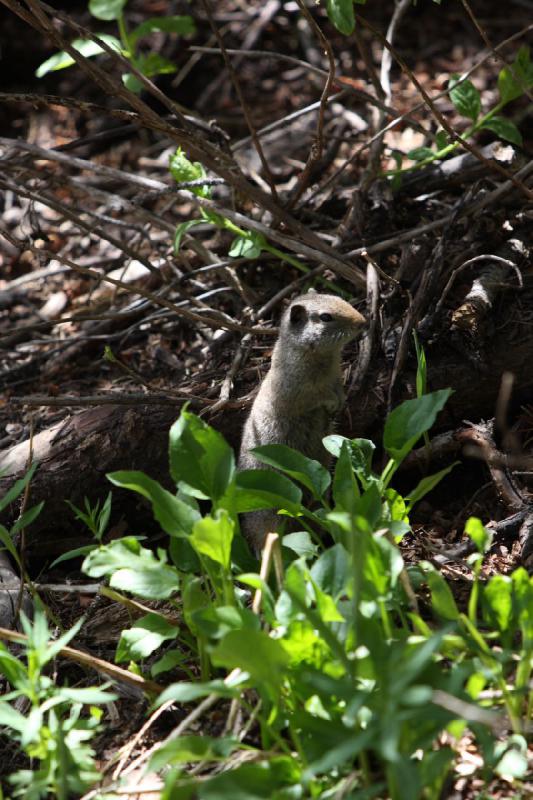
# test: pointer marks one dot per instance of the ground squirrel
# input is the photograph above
(301, 393)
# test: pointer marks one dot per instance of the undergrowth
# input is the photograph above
(347, 674)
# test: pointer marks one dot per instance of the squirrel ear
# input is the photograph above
(298, 314)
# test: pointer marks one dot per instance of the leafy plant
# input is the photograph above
(345, 669)
(149, 64)
(54, 732)
(246, 244)
(513, 81)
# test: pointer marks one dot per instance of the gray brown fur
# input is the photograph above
(302, 392)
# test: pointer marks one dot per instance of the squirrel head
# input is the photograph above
(320, 322)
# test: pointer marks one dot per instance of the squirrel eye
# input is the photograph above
(326, 317)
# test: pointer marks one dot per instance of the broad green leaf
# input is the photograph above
(345, 488)
(465, 97)
(175, 517)
(215, 622)
(212, 537)
(361, 452)
(498, 601)
(132, 568)
(263, 488)
(86, 47)
(107, 9)
(156, 581)
(90, 695)
(504, 128)
(427, 484)
(514, 761)
(442, 600)
(331, 572)
(305, 470)
(146, 635)
(171, 660)
(406, 423)
(12, 718)
(300, 543)
(10, 666)
(265, 781)
(200, 457)
(182, 25)
(256, 653)
(192, 748)
(512, 84)
(186, 692)
(246, 247)
(342, 15)
(481, 537)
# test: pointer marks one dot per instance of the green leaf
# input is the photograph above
(465, 97)
(249, 246)
(75, 553)
(481, 537)
(183, 170)
(8, 544)
(504, 128)
(154, 64)
(86, 47)
(442, 600)
(17, 488)
(212, 537)
(200, 457)
(361, 452)
(305, 470)
(512, 85)
(10, 666)
(262, 488)
(427, 484)
(185, 692)
(27, 518)
(256, 653)
(420, 153)
(132, 83)
(146, 635)
(175, 517)
(342, 15)
(12, 718)
(171, 660)
(107, 9)
(441, 140)
(345, 488)
(300, 543)
(133, 568)
(192, 748)
(331, 572)
(90, 695)
(514, 762)
(181, 229)
(498, 601)
(182, 25)
(406, 424)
